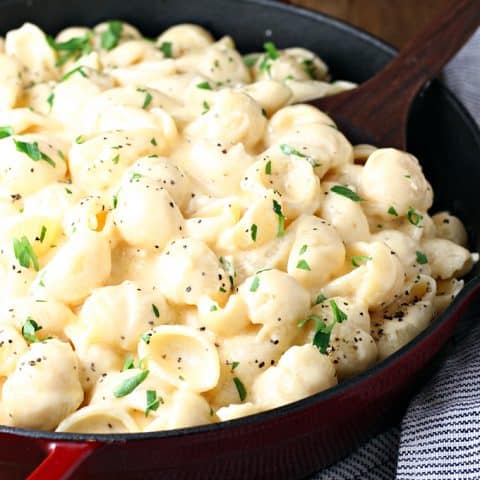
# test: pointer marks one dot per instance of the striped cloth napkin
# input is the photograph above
(439, 436)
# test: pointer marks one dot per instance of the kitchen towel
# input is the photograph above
(439, 436)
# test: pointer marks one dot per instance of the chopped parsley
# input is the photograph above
(111, 36)
(115, 200)
(152, 401)
(303, 265)
(79, 70)
(253, 232)
(321, 338)
(357, 260)
(250, 60)
(234, 366)
(268, 168)
(391, 211)
(68, 191)
(116, 159)
(277, 208)
(146, 337)
(320, 299)
(155, 310)
(271, 54)
(289, 150)
(166, 48)
(204, 86)
(43, 232)
(24, 253)
(148, 97)
(130, 384)
(309, 67)
(206, 107)
(80, 139)
(242, 391)
(255, 284)
(135, 176)
(213, 308)
(414, 217)
(33, 152)
(29, 329)
(51, 99)
(302, 250)
(5, 132)
(74, 48)
(228, 266)
(346, 192)
(421, 258)
(153, 141)
(128, 363)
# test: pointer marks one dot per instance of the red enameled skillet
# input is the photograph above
(298, 439)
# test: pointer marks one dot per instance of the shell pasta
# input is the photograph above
(183, 240)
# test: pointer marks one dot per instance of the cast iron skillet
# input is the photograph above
(295, 440)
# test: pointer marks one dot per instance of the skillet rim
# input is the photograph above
(350, 384)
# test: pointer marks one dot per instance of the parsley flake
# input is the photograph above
(153, 141)
(253, 232)
(289, 150)
(346, 192)
(111, 36)
(414, 217)
(33, 152)
(130, 384)
(155, 310)
(43, 232)
(250, 60)
(79, 70)
(303, 265)
(234, 366)
(29, 329)
(148, 97)
(303, 250)
(128, 363)
(51, 99)
(277, 208)
(73, 48)
(242, 391)
(166, 48)
(391, 211)
(358, 259)
(152, 401)
(309, 67)
(204, 86)
(5, 132)
(206, 107)
(268, 168)
(255, 284)
(320, 299)
(24, 253)
(421, 258)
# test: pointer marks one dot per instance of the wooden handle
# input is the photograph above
(381, 105)
(426, 54)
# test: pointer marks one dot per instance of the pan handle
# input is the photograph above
(62, 460)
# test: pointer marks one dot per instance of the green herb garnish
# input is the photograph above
(204, 86)
(111, 36)
(24, 253)
(414, 217)
(152, 401)
(155, 310)
(242, 391)
(73, 48)
(303, 265)
(253, 232)
(358, 259)
(346, 192)
(255, 284)
(29, 329)
(392, 211)
(6, 132)
(33, 152)
(130, 384)
(421, 258)
(166, 48)
(277, 208)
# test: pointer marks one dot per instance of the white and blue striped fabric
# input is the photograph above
(439, 436)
